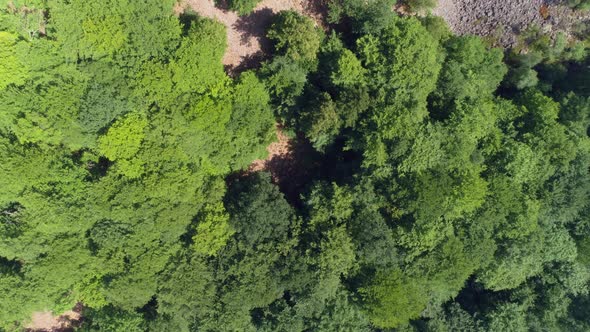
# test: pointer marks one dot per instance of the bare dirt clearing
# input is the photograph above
(45, 321)
(279, 149)
(247, 45)
(291, 162)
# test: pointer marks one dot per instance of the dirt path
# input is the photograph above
(246, 41)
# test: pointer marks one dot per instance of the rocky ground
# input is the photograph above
(503, 20)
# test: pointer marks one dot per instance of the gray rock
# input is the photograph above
(483, 17)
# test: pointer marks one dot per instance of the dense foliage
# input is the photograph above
(243, 7)
(448, 192)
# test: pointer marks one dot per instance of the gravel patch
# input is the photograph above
(504, 20)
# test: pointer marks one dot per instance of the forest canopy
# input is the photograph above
(446, 182)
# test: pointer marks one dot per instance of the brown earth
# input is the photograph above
(291, 162)
(280, 148)
(45, 321)
(247, 45)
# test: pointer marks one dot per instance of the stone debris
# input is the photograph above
(504, 20)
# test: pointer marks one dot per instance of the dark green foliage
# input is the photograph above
(539, 56)
(285, 80)
(243, 7)
(437, 26)
(112, 319)
(470, 70)
(366, 16)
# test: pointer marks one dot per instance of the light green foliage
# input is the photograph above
(78, 229)
(402, 59)
(337, 257)
(12, 70)
(348, 71)
(392, 299)
(197, 68)
(122, 142)
(403, 63)
(43, 111)
(295, 36)
(213, 231)
(251, 126)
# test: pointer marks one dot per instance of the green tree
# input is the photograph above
(243, 7)
(295, 37)
(122, 142)
(392, 299)
(470, 70)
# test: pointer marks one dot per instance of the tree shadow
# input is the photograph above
(318, 11)
(294, 171)
(222, 4)
(252, 61)
(186, 20)
(255, 25)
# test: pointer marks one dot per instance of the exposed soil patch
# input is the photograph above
(291, 162)
(34, 20)
(504, 20)
(45, 321)
(279, 149)
(247, 44)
